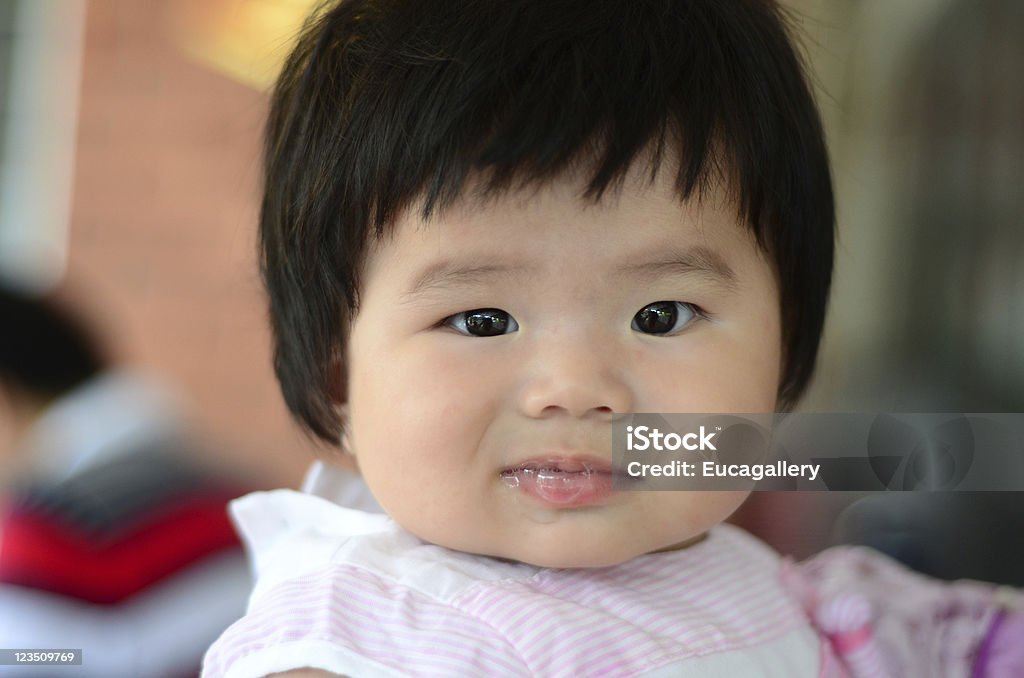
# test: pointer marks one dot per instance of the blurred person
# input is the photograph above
(113, 539)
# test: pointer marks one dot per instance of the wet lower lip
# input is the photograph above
(561, 488)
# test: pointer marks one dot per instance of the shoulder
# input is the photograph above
(295, 536)
(351, 621)
(355, 595)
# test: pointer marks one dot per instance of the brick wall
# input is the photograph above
(162, 229)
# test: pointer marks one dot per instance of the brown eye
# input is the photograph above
(483, 322)
(664, 317)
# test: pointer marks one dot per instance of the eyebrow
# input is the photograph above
(699, 261)
(695, 261)
(446, 274)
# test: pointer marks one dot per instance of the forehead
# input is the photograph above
(554, 225)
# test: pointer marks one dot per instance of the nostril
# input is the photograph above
(603, 411)
(580, 392)
(552, 410)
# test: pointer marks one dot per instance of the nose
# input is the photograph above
(579, 379)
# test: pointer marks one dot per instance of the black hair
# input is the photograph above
(45, 351)
(386, 104)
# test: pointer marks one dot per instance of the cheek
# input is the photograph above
(749, 363)
(417, 420)
(701, 511)
(420, 395)
(721, 373)
(746, 382)
(717, 506)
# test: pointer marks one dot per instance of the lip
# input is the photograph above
(561, 481)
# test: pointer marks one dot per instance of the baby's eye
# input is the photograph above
(482, 322)
(664, 317)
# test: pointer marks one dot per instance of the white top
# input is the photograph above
(350, 592)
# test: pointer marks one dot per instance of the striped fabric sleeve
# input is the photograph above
(349, 621)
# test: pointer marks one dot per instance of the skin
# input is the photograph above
(18, 410)
(436, 414)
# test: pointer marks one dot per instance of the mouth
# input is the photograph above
(562, 482)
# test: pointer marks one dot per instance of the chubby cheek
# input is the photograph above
(743, 383)
(716, 378)
(711, 508)
(747, 370)
(684, 515)
(416, 415)
(434, 392)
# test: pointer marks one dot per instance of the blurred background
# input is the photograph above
(129, 145)
(128, 165)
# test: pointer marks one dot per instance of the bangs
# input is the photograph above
(521, 92)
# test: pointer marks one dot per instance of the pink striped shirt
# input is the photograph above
(350, 592)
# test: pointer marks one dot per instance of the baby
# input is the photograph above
(488, 229)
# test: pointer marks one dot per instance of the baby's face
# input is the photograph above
(499, 339)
